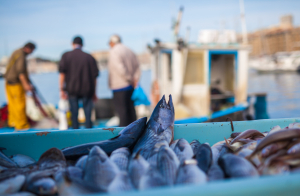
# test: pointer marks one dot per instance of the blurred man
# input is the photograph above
(124, 74)
(17, 83)
(77, 80)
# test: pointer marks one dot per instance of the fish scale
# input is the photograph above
(167, 164)
(120, 158)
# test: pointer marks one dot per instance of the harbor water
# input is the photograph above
(283, 94)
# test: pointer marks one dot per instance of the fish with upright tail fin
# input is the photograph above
(159, 127)
(126, 138)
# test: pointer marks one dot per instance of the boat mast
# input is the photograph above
(177, 24)
(243, 21)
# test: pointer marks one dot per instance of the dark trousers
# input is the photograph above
(87, 107)
(124, 107)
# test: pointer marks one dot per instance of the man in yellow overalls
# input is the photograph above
(17, 83)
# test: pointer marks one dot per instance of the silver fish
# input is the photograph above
(183, 150)
(100, 170)
(121, 183)
(203, 155)
(12, 185)
(189, 173)
(236, 167)
(5, 161)
(52, 158)
(167, 164)
(137, 167)
(195, 144)
(22, 160)
(152, 159)
(215, 154)
(173, 144)
(68, 187)
(126, 138)
(23, 193)
(159, 127)
(215, 173)
(244, 152)
(75, 172)
(43, 186)
(294, 149)
(120, 158)
(152, 178)
(81, 162)
(41, 182)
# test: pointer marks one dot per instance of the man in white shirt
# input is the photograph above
(124, 74)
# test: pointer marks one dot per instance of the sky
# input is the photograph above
(52, 24)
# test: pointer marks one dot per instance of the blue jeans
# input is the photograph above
(87, 107)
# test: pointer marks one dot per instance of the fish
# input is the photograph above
(183, 150)
(173, 144)
(137, 167)
(189, 173)
(235, 134)
(215, 173)
(43, 186)
(69, 186)
(126, 138)
(81, 162)
(41, 182)
(12, 185)
(5, 161)
(281, 135)
(274, 129)
(276, 168)
(22, 193)
(22, 160)
(120, 183)
(167, 164)
(247, 134)
(294, 149)
(237, 167)
(273, 148)
(195, 145)
(2, 168)
(159, 127)
(52, 158)
(120, 157)
(243, 152)
(152, 159)
(152, 178)
(12, 172)
(215, 154)
(75, 172)
(203, 156)
(100, 170)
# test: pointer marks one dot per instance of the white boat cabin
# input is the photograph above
(197, 74)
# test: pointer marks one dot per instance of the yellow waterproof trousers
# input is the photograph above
(16, 98)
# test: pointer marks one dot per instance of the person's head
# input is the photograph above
(29, 48)
(77, 42)
(114, 39)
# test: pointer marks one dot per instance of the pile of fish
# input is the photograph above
(145, 155)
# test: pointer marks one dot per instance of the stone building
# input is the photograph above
(280, 38)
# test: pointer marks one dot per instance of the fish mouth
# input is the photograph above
(163, 104)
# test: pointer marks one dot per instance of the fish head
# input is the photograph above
(97, 152)
(51, 158)
(163, 113)
(44, 186)
(135, 129)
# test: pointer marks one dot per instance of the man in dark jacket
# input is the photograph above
(77, 80)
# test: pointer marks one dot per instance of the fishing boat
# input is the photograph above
(208, 82)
